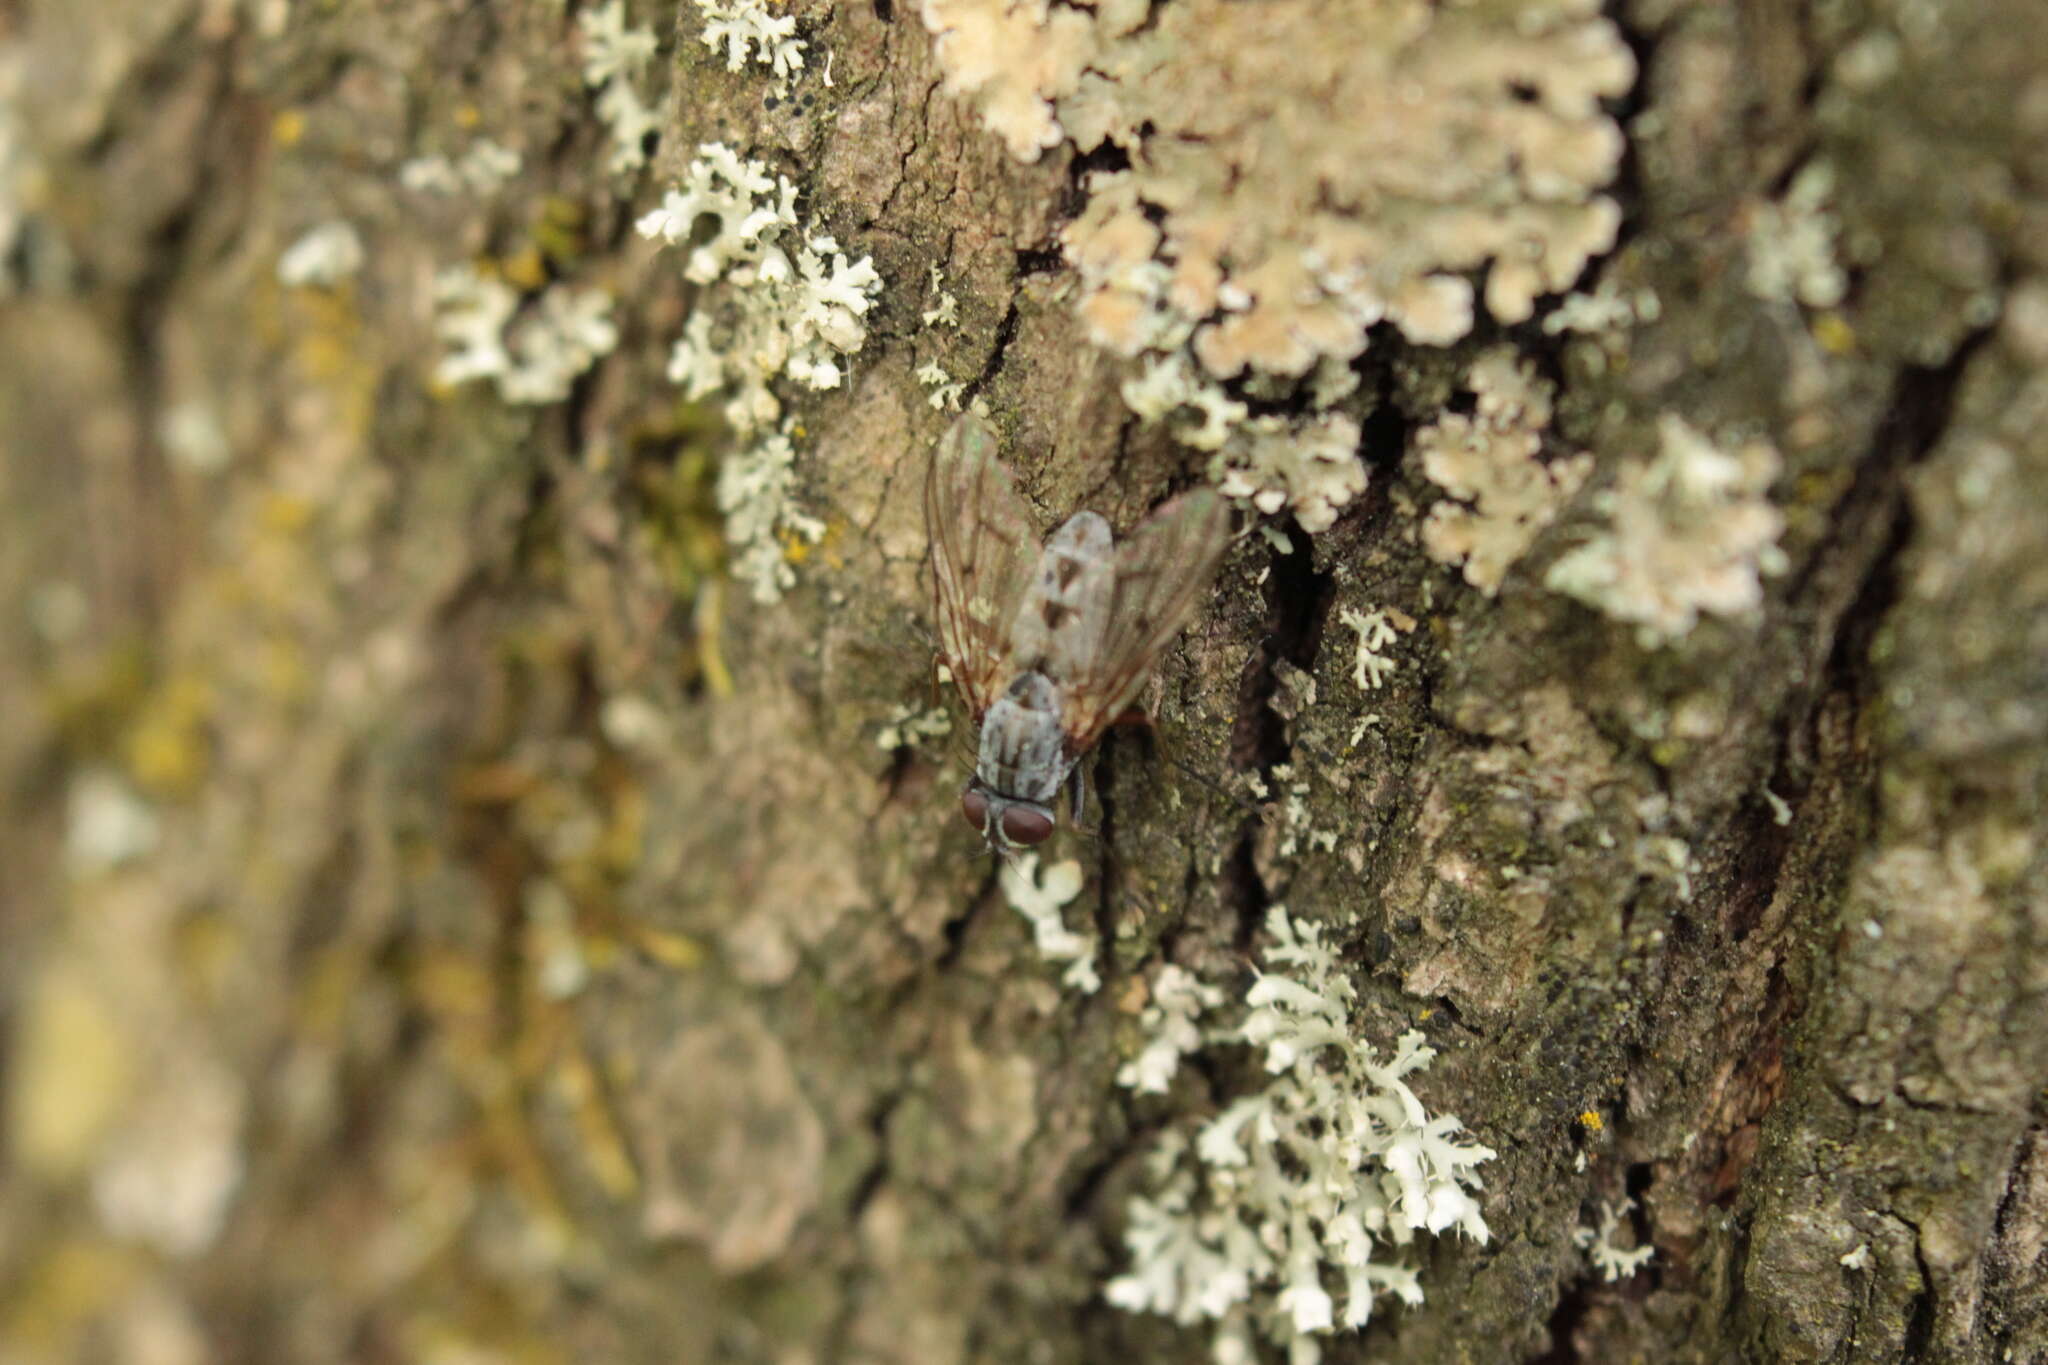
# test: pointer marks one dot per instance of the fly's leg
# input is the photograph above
(1077, 800)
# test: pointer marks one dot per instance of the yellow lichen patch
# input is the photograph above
(74, 1282)
(604, 1145)
(1834, 333)
(710, 655)
(209, 949)
(72, 1071)
(525, 269)
(1591, 1121)
(618, 849)
(560, 230)
(166, 747)
(677, 952)
(88, 700)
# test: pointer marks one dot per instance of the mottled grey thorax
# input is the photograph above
(1022, 749)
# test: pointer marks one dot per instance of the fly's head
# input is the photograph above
(1007, 823)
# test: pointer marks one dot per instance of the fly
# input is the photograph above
(1049, 642)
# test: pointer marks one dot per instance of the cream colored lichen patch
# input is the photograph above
(1688, 532)
(1300, 171)
(1500, 493)
(1289, 188)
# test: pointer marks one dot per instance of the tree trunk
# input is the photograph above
(449, 917)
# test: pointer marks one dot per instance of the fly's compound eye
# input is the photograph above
(974, 808)
(1022, 825)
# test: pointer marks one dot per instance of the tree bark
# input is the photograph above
(446, 919)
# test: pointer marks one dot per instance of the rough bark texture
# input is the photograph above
(451, 1011)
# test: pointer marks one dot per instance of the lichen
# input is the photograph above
(756, 493)
(1687, 532)
(1613, 1262)
(323, 257)
(909, 725)
(1377, 629)
(1284, 193)
(480, 169)
(533, 358)
(1296, 1200)
(1309, 466)
(1791, 243)
(1500, 492)
(1015, 57)
(614, 59)
(747, 31)
(1178, 999)
(946, 391)
(787, 304)
(1463, 137)
(1039, 898)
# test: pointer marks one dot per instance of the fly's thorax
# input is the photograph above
(1023, 751)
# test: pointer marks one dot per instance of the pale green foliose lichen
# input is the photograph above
(745, 30)
(533, 357)
(1286, 1214)
(1040, 898)
(1613, 1262)
(614, 59)
(788, 305)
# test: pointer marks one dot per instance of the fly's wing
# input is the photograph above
(1159, 574)
(984, 550)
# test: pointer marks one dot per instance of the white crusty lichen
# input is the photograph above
(1613, 1262)
(1287, 1212)
(533, 357)
(946, 391)
(107, 823)
(614, 59)
(1687, 532)
(945, 309)
(745, 29)
(789, 306)
(1791, 243)
(909, 725)
(321, 258)
(1500, 491)
(481, 169)
(1377, 629)
(1040, 900)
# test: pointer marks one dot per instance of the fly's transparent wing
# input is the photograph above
(1160, 572)
(984, 550)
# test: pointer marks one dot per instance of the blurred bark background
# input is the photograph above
(444, 921)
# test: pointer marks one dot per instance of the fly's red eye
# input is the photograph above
(1022, 825)
(974, 808)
